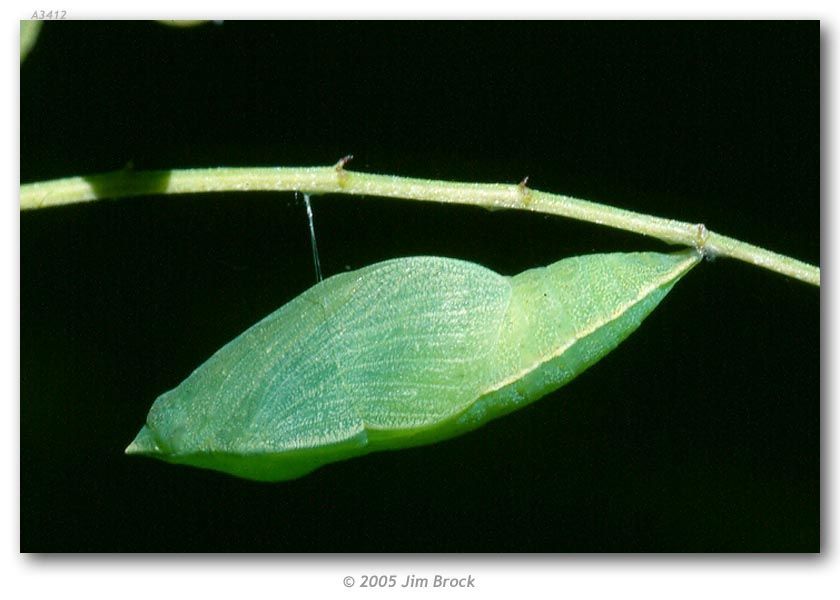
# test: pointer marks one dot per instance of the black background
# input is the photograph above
(699, 433)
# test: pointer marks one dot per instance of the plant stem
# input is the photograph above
(337, 180)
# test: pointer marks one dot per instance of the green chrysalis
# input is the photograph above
(404, 352)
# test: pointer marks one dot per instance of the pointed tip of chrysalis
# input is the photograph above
(144, 443)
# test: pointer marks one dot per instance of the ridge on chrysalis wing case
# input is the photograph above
(401, 353)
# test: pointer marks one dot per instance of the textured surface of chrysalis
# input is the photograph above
(400, 353)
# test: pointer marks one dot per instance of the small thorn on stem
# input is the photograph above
(525, 191)
(339, 166)
(339, 169)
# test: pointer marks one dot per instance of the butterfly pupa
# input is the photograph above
(404, 352)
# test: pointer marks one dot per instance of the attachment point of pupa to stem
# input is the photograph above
(700, 241)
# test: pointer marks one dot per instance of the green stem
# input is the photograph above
(337, 180)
